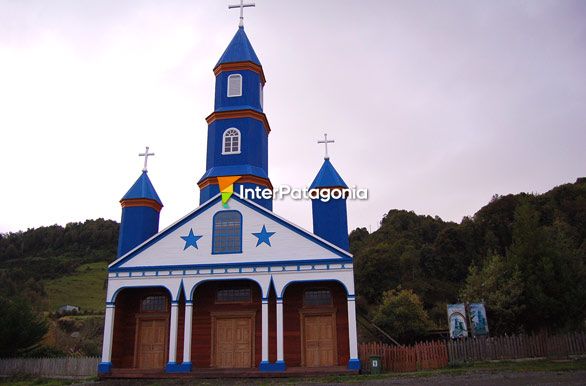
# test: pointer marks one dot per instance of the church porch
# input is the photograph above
(282, 325)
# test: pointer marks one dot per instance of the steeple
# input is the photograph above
(238, 129)
(141, 206)
(328, 177)
(330, 218)
(239, 50)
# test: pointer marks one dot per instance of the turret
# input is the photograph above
(330, 219)
(238, 129)
(140, 213)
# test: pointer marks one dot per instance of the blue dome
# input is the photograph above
(143, 188)
(239, 50)
(328, 177)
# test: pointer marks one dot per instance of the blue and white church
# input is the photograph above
(231, 285)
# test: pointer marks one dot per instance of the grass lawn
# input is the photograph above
(84, 288)
(25, 381)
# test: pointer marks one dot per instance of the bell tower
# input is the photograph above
(238, 129)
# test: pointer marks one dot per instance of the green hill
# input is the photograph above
(524, 255)
(56, 265)
(85, 288)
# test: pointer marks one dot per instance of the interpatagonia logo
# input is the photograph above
(226, 185)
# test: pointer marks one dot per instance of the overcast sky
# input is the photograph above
(435, 106)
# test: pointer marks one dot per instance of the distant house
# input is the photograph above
(67, 309)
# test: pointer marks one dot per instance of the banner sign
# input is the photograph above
(478, 323)
(457, 321)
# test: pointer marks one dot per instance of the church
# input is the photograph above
(231, 285)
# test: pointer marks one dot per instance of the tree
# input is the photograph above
(402, 315)
(553, 274)
(21, 331)
(500, 286)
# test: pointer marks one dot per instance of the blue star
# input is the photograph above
(264, 236)
(190, 240)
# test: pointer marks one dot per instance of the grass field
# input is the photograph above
(85, 288)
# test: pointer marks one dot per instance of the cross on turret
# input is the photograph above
(242, 5)
(146, 155)
(325, 142)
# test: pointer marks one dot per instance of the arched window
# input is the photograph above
(231, 142)
(234, 85)
(227, 232)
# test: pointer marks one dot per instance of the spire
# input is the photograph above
(328, 177)
(330, 220)
(239, 50)
(142, 189)
(141, 206)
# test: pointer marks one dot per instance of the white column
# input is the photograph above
(265, 330)
(187, 334)
(108, 333)
(352, 336)
(280, 356)
(173, 332)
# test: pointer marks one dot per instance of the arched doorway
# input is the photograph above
(316, 324)
(227, 325)
(141, 328)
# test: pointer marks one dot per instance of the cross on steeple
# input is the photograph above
(241, 6)
(146, 155)
(325, 142)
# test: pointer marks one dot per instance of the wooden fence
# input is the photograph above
(517, 347)
(67, 367)
(437, 354)
(422, 356)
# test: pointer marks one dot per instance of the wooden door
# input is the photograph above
(320, 341)
(233, 342)
(151, 343)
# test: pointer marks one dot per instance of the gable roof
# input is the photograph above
(142, 188)
(328, 177)
(239, 50)
(316, 240)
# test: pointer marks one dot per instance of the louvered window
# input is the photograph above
(233, 295)
(234, 85)
(317, 297)
(154, 304)
(231, 141)
(227, 236)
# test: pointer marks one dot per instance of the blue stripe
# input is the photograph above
(255, 265)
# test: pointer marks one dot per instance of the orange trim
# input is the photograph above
(238, 66)
(247, 178)
(141, 202)
(239, 114)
